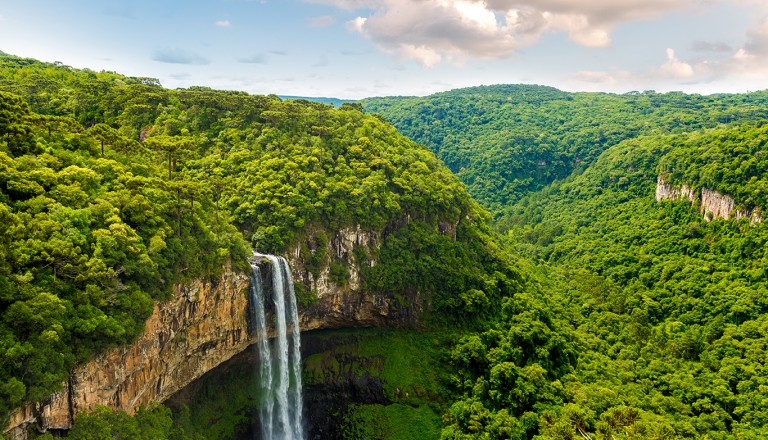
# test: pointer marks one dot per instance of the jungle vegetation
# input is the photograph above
(114, 189)
(505, 141)
(667, 308)
(599, 313)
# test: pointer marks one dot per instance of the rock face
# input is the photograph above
(712, 204)
(341, 301)
(665, 190)
(203, 325)
(206, 323)
(716, 204)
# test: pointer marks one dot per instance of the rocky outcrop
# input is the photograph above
(206, 322)
(665, 190)
(202, 325)
(715, 205)
(340, 298)
(341, 247)
(340, 301)
(712, 204)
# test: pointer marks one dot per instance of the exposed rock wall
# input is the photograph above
(665, 190)
(346, 304)
(340, 305)
(712, 204)
(203, 325)
(206, 323)
(715, 204)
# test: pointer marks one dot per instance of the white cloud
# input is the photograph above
(426, 56)
(444, 30)
(357, 24)
(745, 65)
(675, 68)
(223, 23)
(431, 31)
(473, 14)
(580, 29)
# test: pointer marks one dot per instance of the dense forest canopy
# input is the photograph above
(114, 189)
(668, 309)
(505, 141)
(601, 313)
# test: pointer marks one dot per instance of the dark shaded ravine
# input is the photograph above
(226, 398)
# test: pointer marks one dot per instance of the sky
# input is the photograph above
(359, 48)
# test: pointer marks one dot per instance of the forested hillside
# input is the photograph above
(507, 140)
(669, 309)
(89, 240)
(113, 188)
(602, 313)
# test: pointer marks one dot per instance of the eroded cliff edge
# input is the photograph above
(206, 323)
(712, 204)
(201, 326)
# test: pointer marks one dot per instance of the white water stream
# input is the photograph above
(279, 358)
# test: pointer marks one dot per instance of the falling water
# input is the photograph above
(259, 321)
(280, 365)
(297, 399)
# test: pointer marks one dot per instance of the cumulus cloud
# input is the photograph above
(747, 64)
(675, 68)
(432, 31)
(751, 61)
(178, 56)
(425, 55)
(223, 23)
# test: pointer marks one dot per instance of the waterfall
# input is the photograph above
(281, 401)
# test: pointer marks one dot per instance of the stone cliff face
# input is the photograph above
(666, 190)
(343, 304)
(203, 325)
(712, 204)
(715, 204)
(206, 323)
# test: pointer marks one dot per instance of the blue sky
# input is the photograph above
(358, 48)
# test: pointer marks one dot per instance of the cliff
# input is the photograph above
(202, 325)
(206, 323)
(331, 269)
(712, 204)
(339, 300)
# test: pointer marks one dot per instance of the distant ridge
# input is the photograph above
(336, 102)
